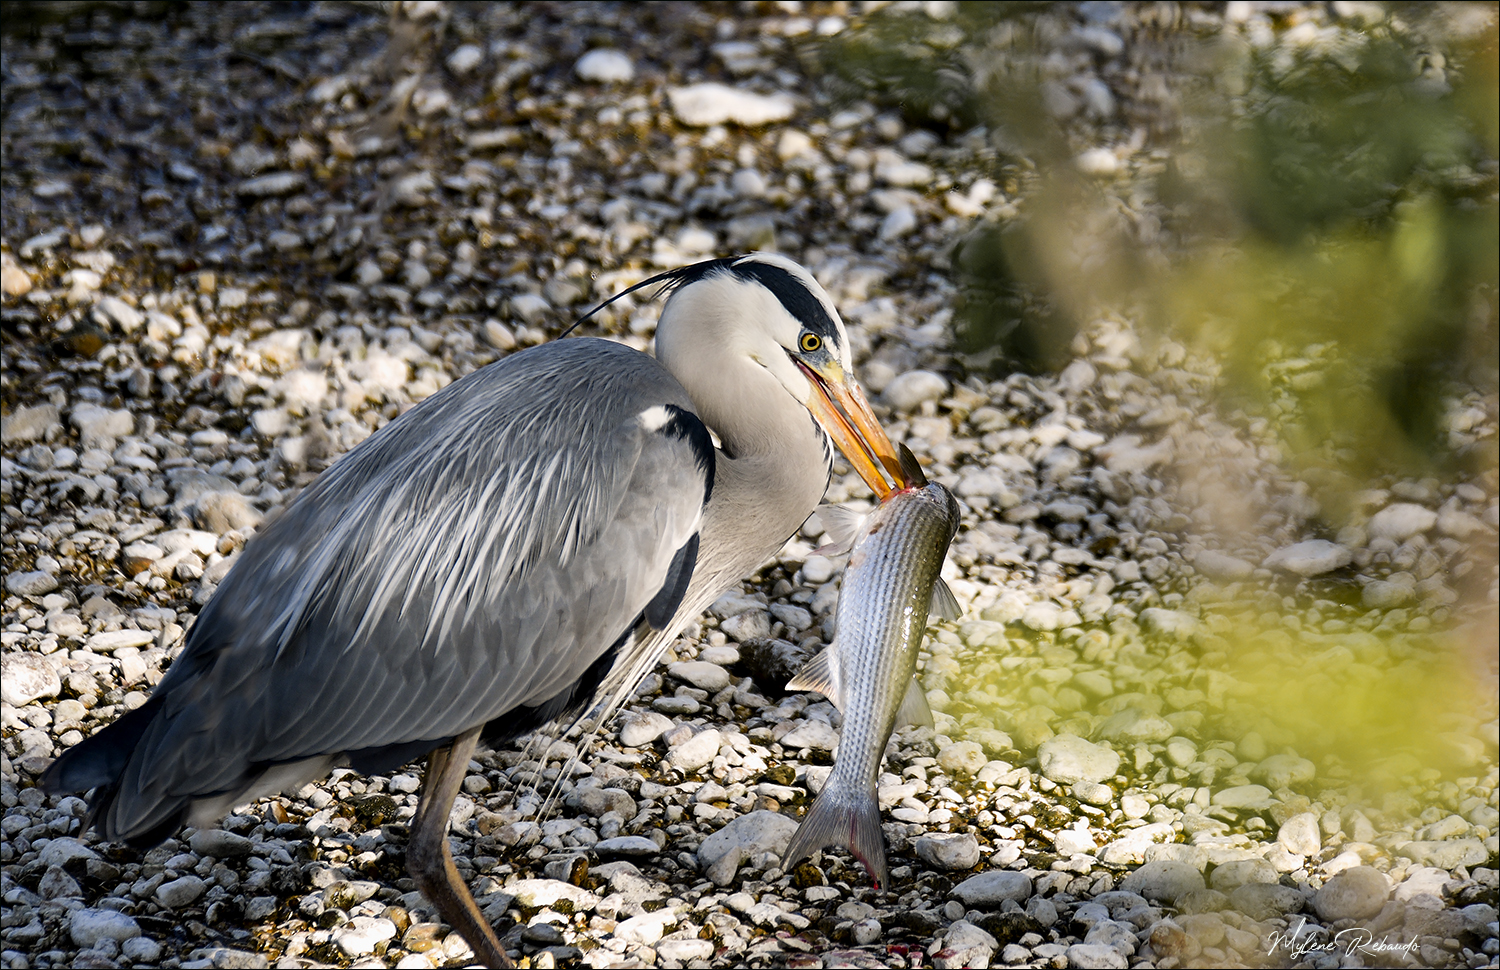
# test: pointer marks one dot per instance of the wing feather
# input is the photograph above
(476, 556)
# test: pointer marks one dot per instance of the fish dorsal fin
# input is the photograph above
(841, 525)
(819, 675)
(944, 603)
(911, 468)
(914, 709)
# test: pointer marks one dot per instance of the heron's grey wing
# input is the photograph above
(475, 557)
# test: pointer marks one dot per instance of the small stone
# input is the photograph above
(696, 751)
(29, 424)
(1285, 771)
(112, 640)
(359, 936)
(812, 733)
(1097, 162)
(1311, 558)
(1232, 875)
(1265, 900)
(685, 951)
(707, 104)
(1163, 880)
(703, 675)
(952, 851)
(1299, 835)
(181, 892)
(757, 832)
(88, 927)
(605, 66)
(989, 890)
(750, 625)
(1401, 521)
(26, 677)
(1449, 854)
(465, 58)
(638, 729)
(141, 950)
(908, 391)
(1217, 565)
(1244, 798)
(36, 583)
(1096, 956)
(1068, 759)
(965, 945)
(1380, 594)
(220, 844)
(626, 846)
(1041, 616)
(965, 757)
(1356, 893)
(542, 893)
(219, 512)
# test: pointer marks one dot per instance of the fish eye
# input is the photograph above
(810, 343)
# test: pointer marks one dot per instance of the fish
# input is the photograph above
(891, 587)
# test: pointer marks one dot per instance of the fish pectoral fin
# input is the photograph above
(944, 603)
(914, 709)
(818, 676)
(841, 525)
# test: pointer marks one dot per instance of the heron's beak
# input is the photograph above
(839, 406)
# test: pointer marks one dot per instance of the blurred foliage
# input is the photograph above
(1320, 213)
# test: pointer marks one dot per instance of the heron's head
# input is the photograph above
(771, 310)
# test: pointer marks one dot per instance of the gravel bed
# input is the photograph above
(1180, 724)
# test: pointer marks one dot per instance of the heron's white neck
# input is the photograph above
(773, 467)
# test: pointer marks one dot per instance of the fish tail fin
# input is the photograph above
(846, 816)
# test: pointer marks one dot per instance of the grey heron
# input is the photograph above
(511, 549)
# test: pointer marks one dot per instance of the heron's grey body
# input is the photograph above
(471, 561)
(512, 548)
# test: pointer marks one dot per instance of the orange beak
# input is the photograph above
(839, 406)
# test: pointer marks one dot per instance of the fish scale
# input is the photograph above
(869, 670)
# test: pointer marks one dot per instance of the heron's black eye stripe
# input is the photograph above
(810, 343)
(793, 294)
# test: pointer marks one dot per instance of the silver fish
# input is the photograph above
(868, 671)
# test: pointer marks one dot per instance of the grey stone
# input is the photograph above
(1265, 900)
(541, 893)
(1401, 521)
(183, 891)
(952, 851)
(29, 424)
(1299, 834)
(965, 945)
(1230, 876)
(696, 752)
(220, 844)
(988, 890)
(26, 677)
(1356, 893)
(1067, 759)
(908, 391)
(1163, 880)
(701, 674)
(34, 583)
(1244, 798)
(605, 66)
(703, 105)
(359, 936)
(88, 927)
(1311, 558)
(642, 728)
(629, 846)
(1096, 956)
(761, 831)
(1445, 855)
(811, 733)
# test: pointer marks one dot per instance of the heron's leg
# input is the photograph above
(429, 860)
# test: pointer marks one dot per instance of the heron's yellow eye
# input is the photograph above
(810, 342)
